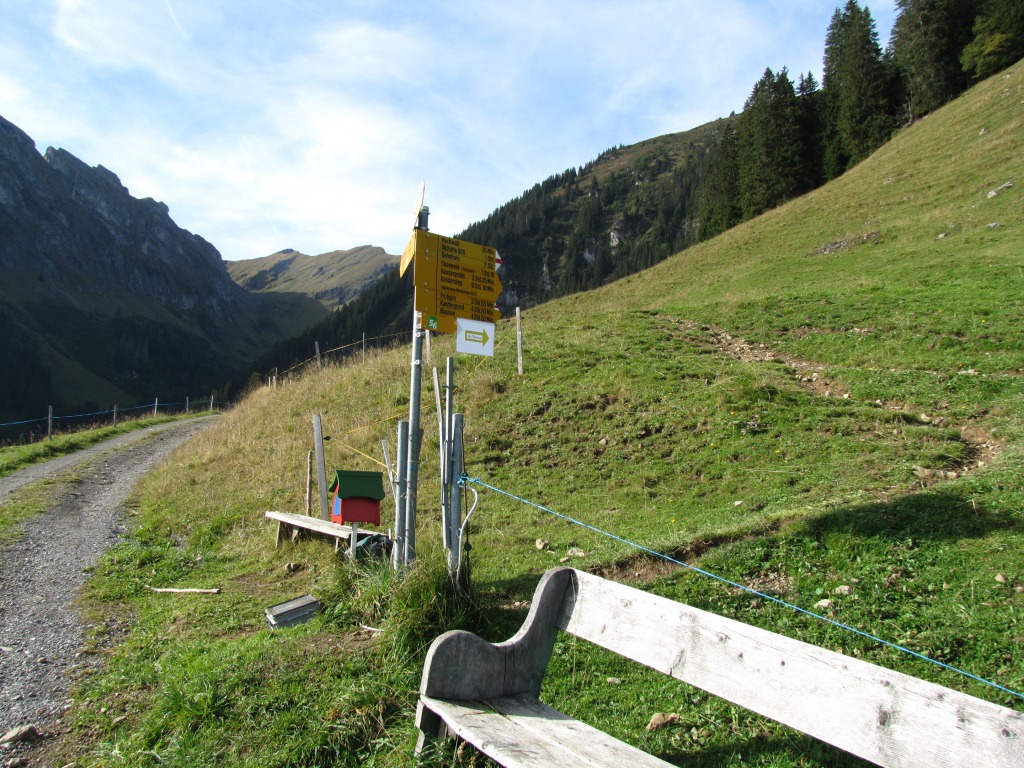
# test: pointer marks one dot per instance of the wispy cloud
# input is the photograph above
(310, 124)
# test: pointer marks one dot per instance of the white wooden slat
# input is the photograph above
(884, 716)
(311, 523)
(580, 739)
(533, 735)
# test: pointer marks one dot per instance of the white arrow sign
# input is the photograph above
(474, 337)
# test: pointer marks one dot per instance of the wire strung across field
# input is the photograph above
(466, 479)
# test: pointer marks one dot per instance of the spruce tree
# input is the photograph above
(768, 145)
(928, 39)
(857, 116)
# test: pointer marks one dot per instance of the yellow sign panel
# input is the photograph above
(454, 279)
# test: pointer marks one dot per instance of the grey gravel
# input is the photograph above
(40, 573)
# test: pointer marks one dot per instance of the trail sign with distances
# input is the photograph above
(454, 279)
(474, 337)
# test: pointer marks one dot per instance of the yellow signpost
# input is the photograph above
(454, 279)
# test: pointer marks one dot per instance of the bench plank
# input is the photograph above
(311, 523)
(521, 732)
(890, 718)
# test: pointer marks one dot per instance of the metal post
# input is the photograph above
(519, 338)
(321, 468)
(455, 494)
(398, 550)
(415, 435)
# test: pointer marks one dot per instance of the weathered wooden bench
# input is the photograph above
(289, 525)
(487, 694)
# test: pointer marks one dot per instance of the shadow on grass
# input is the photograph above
(796, 749)
(932, 515)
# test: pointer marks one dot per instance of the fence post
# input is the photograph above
(115, 415)
(156, 406)
(309, 482)
(364, 347)
(186, 405)
(49, 422)
(519, 338)
(321, 467)
(319, 362)
(211, 402)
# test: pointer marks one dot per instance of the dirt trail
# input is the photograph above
(41, 572)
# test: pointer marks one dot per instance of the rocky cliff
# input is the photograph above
(109, 296)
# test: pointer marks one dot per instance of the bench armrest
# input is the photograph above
(461, 665)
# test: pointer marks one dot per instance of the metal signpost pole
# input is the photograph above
(412, 470)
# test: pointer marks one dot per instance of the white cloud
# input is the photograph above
(310, 124)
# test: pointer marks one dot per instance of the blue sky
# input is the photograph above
(310, 124)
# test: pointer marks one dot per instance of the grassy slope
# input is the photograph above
(638, 416)
(294, 272)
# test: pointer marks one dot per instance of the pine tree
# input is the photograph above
(928, 39)
(768, 146)
(720, 195)
(857, 115)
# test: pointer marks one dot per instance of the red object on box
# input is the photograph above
(355, 510)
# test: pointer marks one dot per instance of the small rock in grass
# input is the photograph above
(842, 589)
(1000, 578)
(662, 720)
(826, 603)
(576, 552)
(16, 735)
(542, 544)
(614, 681)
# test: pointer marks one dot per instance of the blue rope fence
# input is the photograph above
(466, 479)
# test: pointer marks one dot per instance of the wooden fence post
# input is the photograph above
(115, 415)
(156, 406)
(49, 422)
(519, 338)
(319, 362)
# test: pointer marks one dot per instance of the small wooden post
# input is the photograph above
(321, 467)
(156, 406)
(187, 410)
(115, 415)
(364, 347)
(211, 402)
(319, 362)
(519, 338)
(352, 541)
(49, 422)
(309, 482)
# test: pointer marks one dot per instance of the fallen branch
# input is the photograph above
(168, 589)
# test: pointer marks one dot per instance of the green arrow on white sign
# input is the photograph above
(474, 337)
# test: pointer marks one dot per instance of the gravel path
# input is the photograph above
(41, 572)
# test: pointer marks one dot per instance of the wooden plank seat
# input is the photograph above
(487, 694)
(290, 525)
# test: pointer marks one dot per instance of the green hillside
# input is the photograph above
(331, 278)
(823, 404)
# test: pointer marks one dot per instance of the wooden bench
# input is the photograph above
(487, 694)
(290, 525)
